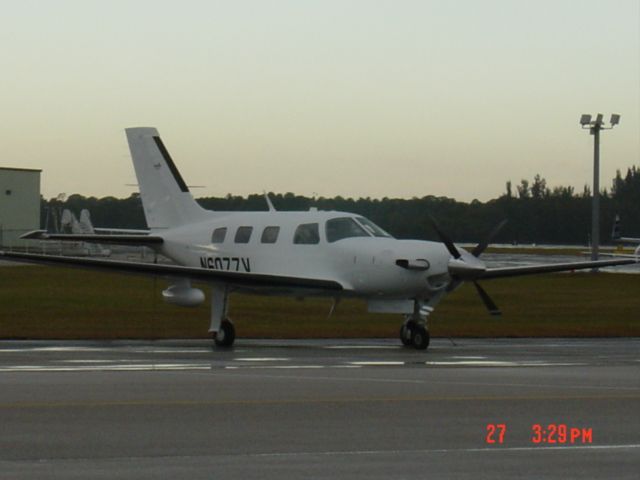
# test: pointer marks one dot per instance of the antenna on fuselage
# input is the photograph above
(269, 204)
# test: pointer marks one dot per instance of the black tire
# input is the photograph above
(406, 333)
(420, 337)
(226, 335)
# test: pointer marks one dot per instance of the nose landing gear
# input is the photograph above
(415, 334)
(415, 331)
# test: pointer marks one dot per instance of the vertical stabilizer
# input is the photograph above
(166, 199)
(85, 224)
(616, 232)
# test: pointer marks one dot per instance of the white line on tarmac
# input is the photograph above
(450, 450)
(499, 363)
(332, 453)
(262, 359)
(276, 367)
(430, 381)
(154, 350)
(105, 368)
(376, 363)
(362, 347)
(88, 361)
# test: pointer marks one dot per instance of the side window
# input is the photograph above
(307, 234)
(218, 235)
(270, 235)
(243, 234)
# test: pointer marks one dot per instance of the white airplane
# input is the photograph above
(312, 253)
(69, 223)
(617, 237)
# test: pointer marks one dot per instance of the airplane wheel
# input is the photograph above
(226, 335)
(406, 332)
(420, 337)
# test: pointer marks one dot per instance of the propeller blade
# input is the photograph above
(486, 299)
(455, 283)
(444, 238)
(481, 247)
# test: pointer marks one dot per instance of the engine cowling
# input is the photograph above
(185, 296)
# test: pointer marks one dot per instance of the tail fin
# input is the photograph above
(86, 226)
(68, 222)
(616, 233)
(166, 199)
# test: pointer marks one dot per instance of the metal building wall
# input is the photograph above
(19, 204)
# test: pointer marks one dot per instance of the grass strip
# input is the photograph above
(39, 302)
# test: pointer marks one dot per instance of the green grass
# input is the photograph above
(44, 302)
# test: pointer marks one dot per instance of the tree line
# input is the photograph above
(535, 212)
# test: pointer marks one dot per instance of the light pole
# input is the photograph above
(595, 126)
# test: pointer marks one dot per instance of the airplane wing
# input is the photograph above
(237, 279)
(115, 239)
(627, 240)
(552, 267)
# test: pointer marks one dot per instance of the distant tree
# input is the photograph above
(539, 187)
(509, 193)
(523, 189)
(538, 214)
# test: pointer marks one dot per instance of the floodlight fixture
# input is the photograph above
(585, 119)
(615, 119)
(598, 121)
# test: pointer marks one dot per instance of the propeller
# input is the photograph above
(481, 247)
(467, 267)
(486, 299)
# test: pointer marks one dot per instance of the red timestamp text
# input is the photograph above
(496, 433)
(549, 434)
(560, 434)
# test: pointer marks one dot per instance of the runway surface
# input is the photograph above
(321, 409)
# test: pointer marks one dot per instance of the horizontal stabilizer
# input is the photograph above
(132, 231)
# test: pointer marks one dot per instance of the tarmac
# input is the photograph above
(356, 409)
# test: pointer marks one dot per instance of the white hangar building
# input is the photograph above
(19, 204)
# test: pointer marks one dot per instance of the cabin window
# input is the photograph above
(218, 235)
(270, 234)
(345, 227)
(372, 228)
(307, 234)
(243, 234)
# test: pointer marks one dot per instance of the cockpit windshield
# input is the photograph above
(344, 227)
(348, 227)
(372, 228)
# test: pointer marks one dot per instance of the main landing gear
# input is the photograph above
(226, 334)
(415, 334)
(221, 326)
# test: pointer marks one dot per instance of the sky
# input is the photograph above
(358, 98)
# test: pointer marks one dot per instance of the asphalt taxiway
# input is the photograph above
(321, 409)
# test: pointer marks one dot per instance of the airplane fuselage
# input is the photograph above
(371, 264)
